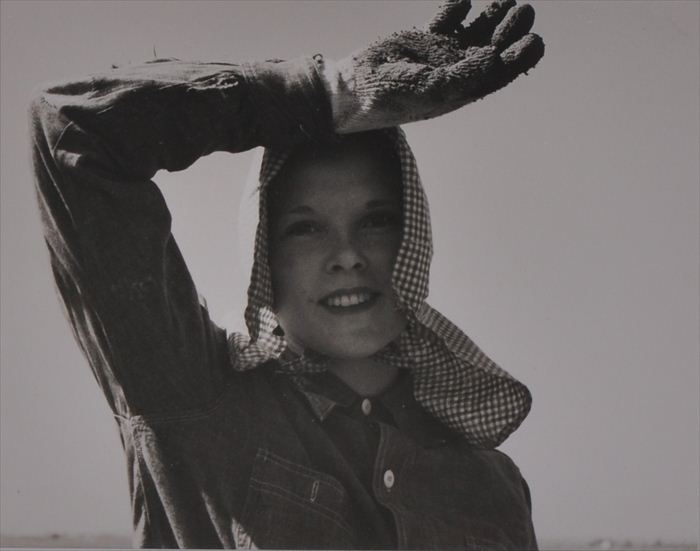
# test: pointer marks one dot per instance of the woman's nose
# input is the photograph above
(345, 255)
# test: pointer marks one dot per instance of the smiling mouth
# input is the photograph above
(349, 300)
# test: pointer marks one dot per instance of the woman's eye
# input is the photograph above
(381, 220)
(303, 227)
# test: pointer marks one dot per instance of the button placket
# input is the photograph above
(386, 465)
(392, 455)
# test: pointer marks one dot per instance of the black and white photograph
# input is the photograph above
(350, 274)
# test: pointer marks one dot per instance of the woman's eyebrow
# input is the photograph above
(381, 203)
(300, 209)
(370, 205)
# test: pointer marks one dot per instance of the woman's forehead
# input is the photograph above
(356, 171)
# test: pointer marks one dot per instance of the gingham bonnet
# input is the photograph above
(452, 378)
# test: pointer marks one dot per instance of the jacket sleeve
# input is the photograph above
(97, 142)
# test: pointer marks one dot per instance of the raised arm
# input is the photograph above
(97, 142)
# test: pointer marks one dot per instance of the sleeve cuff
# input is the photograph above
(290, 101)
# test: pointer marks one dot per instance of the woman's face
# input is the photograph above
(335, 231)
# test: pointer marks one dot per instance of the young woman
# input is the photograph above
(353, 414)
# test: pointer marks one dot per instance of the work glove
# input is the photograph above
(420, 74)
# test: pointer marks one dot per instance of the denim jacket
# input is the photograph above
(219, 458)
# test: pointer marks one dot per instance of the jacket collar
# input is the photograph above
(324, 392)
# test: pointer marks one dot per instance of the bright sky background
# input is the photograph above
(565, 214)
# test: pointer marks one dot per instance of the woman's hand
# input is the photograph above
(421, 74)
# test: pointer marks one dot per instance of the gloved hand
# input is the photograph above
(415, 75)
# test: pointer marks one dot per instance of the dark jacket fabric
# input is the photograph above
(218, 457)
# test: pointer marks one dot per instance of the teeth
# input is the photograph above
(348, 300)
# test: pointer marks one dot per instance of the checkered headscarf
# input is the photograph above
(453, 379)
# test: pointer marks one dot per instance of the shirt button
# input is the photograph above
(389, 479)
(366, 406)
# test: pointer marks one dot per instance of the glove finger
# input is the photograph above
(449, 16)
(472, 77)
(480, 31)
(516, 24)
(483, 70)
(523, 55)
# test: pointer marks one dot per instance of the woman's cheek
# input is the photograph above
(383, 255)
(294, 274)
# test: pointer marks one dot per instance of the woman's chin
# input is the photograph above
(346, 341)
(353, 347)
